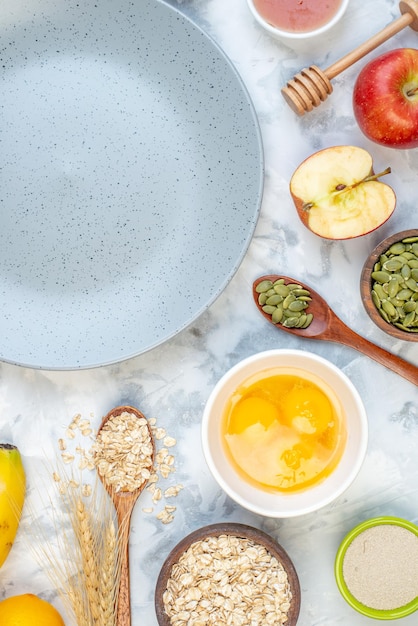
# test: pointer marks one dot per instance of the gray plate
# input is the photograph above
(130, 182)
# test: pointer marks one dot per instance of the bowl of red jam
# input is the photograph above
(297, 19)
(284, 432)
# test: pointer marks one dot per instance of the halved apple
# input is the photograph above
(338, 196)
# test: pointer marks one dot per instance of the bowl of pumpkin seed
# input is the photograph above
(389, 285)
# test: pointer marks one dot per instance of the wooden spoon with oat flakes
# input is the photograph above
(124, 456)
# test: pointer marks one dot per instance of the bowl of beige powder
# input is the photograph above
(376, 568)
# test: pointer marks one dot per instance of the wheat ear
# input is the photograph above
(88, 551)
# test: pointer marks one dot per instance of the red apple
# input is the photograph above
(338, 196)
(385, 99)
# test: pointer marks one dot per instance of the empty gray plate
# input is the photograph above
(131, 178)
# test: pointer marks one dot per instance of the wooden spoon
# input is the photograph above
(326, 325)
(124, 502)
(311, 86)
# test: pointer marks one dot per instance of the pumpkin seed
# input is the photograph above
(289, 298)
(379, 291)
(285, 303)
(275, 300)
(409, 306)
(381, 277)
(397, 248)
(301, 292)
(394, 288)
(408, 319)
(297, 305)
(376, 299)
(405, 328)
(265, 285)
(389, 308)
(302, 320)
(406, 271)
(282, 290)
(309, 318)
(404, 294)
(393, 265)
(411, 284)
(401, 327)
(277, 315)
(269, 309)
(384, 315)
(291, 322)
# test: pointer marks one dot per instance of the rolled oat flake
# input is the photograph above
(380, 567)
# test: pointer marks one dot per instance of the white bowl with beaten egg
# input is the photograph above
(284, 432)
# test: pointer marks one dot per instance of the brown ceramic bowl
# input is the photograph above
(236, 530)
(366, 282)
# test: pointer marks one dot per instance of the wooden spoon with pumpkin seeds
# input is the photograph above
(325, 325)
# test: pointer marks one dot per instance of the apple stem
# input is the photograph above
(412, 92)
(342, 187)
(374, 176)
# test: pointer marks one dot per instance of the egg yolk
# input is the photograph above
(284, 431)
(308, 410)
(249, 411)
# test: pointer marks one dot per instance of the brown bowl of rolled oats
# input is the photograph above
(227, 573)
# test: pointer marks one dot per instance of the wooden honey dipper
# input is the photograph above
(312, 85)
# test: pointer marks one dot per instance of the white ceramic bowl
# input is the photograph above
(297, 36)
(274, 503)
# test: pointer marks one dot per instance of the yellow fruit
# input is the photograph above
(28, 610)
(12, 496)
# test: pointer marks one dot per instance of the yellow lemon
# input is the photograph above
(28, 610)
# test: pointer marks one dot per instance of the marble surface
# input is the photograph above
(173, 381)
